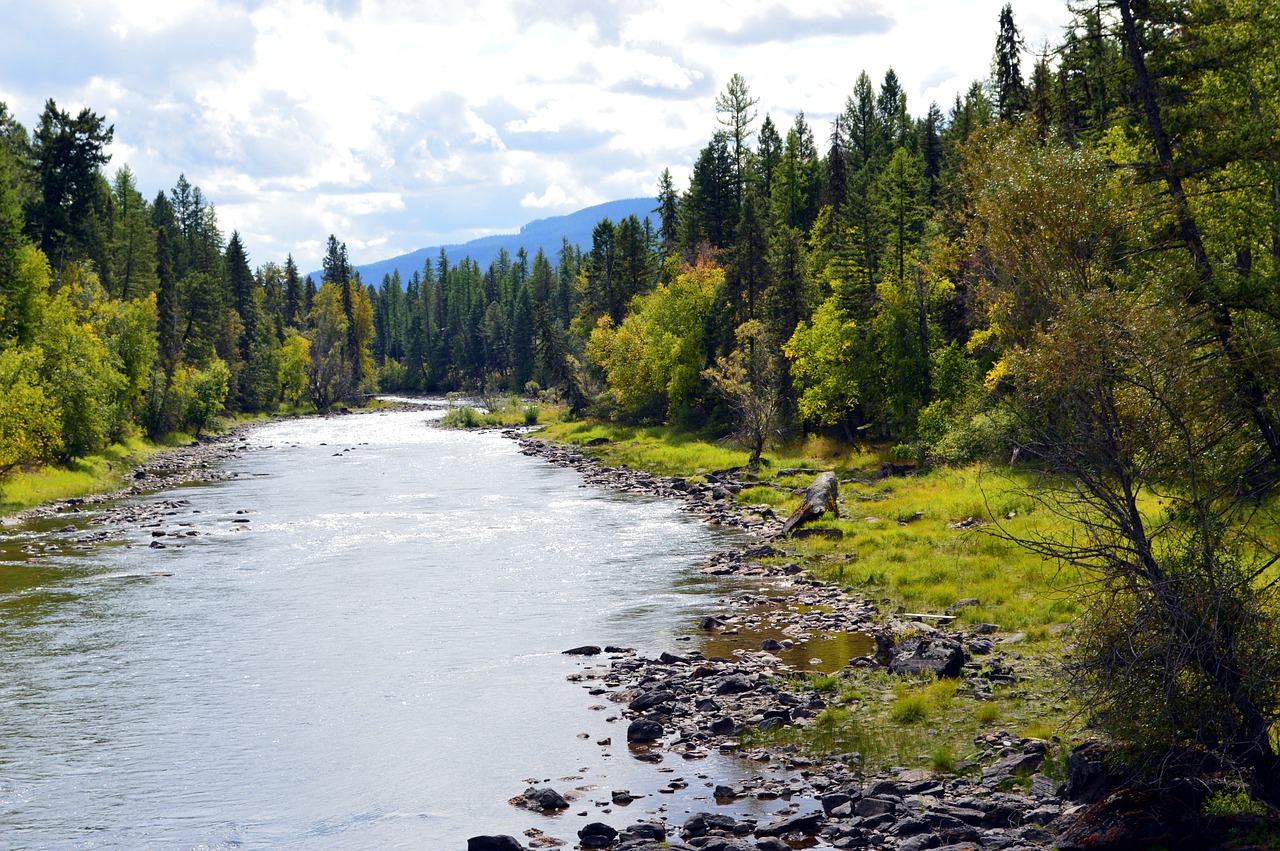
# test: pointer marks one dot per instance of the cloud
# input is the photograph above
(780, 23)
(395, 124)
(606, 18)
(553, 197)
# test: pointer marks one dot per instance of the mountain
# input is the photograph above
(546, 234)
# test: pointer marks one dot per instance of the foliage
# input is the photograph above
(748, 380)
(824, 363)
(653, 360)
(30, 428)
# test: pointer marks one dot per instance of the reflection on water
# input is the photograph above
(355, 644)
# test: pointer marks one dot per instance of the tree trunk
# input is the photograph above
(819, 498)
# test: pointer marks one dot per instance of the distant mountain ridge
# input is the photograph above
(546, 234)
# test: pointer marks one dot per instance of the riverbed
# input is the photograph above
(355, 643)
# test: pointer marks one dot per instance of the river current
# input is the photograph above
(373, 660)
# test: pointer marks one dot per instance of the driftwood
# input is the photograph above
(819, 498)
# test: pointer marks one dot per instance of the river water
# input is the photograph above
(372, 661)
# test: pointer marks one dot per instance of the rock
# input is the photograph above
(597, 835)
(967, 602)
(645, 830)
(808, 823)
(734, 685)
(1089, 780)
(1026, 762)
(819, 498)
(650, 699)
(723, 727)
(544, 799)
(700, 824)
(494, 843)
(890, 470)
(772, 844)
(833, 801)
(941, 656)
(644, 730)
(921, 842)
(829, 534)
(868, 807)
(584, 650)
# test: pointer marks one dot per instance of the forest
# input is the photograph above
(1073, 265)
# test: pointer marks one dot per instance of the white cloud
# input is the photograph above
(396, 124)
(553, 197)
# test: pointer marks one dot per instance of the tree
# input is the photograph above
(1006, 68)
(735, 112)
(295, 309)
(747, 379)
(131, 269)
(67, 154)
(1123, 388)
(30, 425)
(668, 213)
(653, 360)
(825, 356)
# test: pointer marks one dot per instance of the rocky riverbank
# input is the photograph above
(742, 701)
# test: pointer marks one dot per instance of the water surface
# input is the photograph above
(371, 661)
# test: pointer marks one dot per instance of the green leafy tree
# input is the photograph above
(653, 360)
(825, 355)
(30, 425)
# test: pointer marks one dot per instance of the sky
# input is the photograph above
(396, 125)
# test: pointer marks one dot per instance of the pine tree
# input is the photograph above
(735, 112)
(167, 330)
(1006, 70)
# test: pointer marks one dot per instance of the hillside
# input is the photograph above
(545, 233)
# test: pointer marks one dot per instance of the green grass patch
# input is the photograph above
(508, 412)
(98, 473)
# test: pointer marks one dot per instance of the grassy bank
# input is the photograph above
(914, 544)
(80, 477)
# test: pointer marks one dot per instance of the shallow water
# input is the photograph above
(372, 661)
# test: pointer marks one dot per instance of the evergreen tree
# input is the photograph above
(668, 213)
(768, 152)
(66, 214)
(735, 112)
(167, 331)
(1006, 69)
(294, 297)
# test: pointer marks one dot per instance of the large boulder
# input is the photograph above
(544, 799)
(644, 730)
(597, 834)
(1089, 779)
(941, 656)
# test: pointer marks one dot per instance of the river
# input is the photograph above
(373, 660)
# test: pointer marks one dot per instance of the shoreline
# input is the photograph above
(686, 704)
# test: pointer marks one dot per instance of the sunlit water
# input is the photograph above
(374, 662)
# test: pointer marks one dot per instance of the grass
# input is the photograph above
(510, 411)
(98, 473)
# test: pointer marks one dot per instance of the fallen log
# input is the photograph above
(819, 498)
